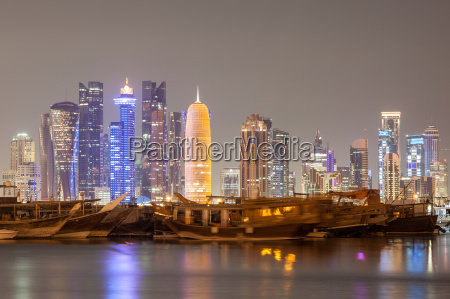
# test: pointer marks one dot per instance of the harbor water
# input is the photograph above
(392, 267)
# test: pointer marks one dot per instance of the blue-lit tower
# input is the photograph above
(386, 145)
(415, 160)
(121, 147)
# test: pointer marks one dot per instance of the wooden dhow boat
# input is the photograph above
(39, 228)
(82, 226)
(265, 219)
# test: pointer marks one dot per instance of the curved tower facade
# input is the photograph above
(65, 118)
(198, 161)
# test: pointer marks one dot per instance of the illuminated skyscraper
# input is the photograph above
(122, 178)
(279, 179)
(359, 163)
(22, 150)
(46, 158)
(154, 130)
(314, 169)
(254, 169)
(439, 173)
(174, 165)
(91, 134)
(391, 177)
(65, 121)
(385, 145)
(229, 182)
(292, 183)
(29, 182)
(415, 164)
(391, 121)
(198, 161)
(105, 171)
(431, 147)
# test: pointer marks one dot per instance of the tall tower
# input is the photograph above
(229, 182)
(391, 121)
(385, 145)
(22, 150)
(105, 169)
(198, 161)
(415, 165)
(359, 163)
(65, 118)
(391, 177)
(279, 182)
(46, 158)
(121, 148)
(91, 134)
(254, 170)
(431, 147)
(174, 165)
(154, 130)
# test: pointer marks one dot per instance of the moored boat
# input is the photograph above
(81, 226)
(258, 220)
(38, 228)
(7, 234)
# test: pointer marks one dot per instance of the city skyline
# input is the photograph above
(375, 66)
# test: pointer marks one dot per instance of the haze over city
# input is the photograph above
(306, 65)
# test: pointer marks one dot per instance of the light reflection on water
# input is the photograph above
(406, 267)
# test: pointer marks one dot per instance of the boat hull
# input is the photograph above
(105, 227)
(80, 227)
(7, 234)
(278, 231)
(417, 224)
(35, 228)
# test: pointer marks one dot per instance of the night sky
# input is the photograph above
(332, 65)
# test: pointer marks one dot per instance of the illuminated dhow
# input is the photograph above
(198, 161)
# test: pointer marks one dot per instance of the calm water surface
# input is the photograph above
(404, 267)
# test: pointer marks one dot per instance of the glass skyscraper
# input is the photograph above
(359, 163)
(46, 158)
(385, 145)
(91, 134)
(121, 148)
(154, 130)
(431, 147)
(279, 180)
(65, 118)
(229, 182)
(174, 165)
(415, 164)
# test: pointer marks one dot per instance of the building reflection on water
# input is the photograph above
(359, 268)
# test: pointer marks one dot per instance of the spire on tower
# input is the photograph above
(198, 95)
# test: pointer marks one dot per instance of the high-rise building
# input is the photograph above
(431, 147)
(174, 142)
(105, 167)
(269, 126)
(116, 158)
(254, 168)
(154, 130)
(279, 179)
(46, 158)
(292, 182)
(415, 162)
(391, 177)
(359, 163)
(439, 173)
(346, 178)
(229, 182)
(312, 171)
(28, 181)
(22, 150)
(198, 161)
(90, 137)
(385, 146)
(122, 152)
(65, 120)
(391, 121)
(416, 189)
